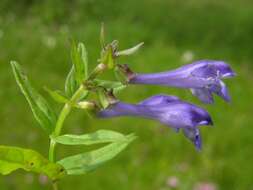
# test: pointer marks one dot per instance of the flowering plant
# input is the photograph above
(202, 77)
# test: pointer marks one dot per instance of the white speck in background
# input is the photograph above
(187, 56)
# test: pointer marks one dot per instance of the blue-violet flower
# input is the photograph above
(169, 110)
(202, 77)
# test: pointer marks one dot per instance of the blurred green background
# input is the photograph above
(36, 34)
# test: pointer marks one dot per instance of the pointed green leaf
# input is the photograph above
(43, 113)
(71, 84)
(83, 59)
(114, 85)
(130, 51)
(13, 158)
(102, 98)
(83, 163)
(107, 57)
(101, 136)
(80, 62)
(108, 84)
(110, 60)
(120, 76)
(79, 69)
(56, 95)
(119, 89)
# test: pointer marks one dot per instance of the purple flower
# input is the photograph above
(169, 110)
(202, 77)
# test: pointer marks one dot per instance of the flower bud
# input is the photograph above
(86, 105)
(98, 70)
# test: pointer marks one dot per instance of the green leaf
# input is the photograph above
(120, 76)
(115, 86)
(79, 70)
(107, 57)
(102, 98)
(56, 95)
(84, 58)
(129, 51)
(108, 84)
(110, 60)
(13, 158)
(86, 162)
(43, 113)
(71, 84)
(119, 89)
(101, 136)
(80, 62)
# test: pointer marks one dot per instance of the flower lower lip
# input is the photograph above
(206, 122)
(203, 123)
(228, 75)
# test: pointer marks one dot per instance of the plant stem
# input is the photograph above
(65, 112)
(55, 186)
(59, 124)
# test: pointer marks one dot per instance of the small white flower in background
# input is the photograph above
(49, 41)
(172, 182)
(187, 56)
(1, 33)
(205, 186)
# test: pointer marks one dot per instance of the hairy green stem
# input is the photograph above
(55, 186)
(65, 112)
(59, 124)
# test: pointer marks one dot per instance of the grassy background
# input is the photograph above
(36, 33)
